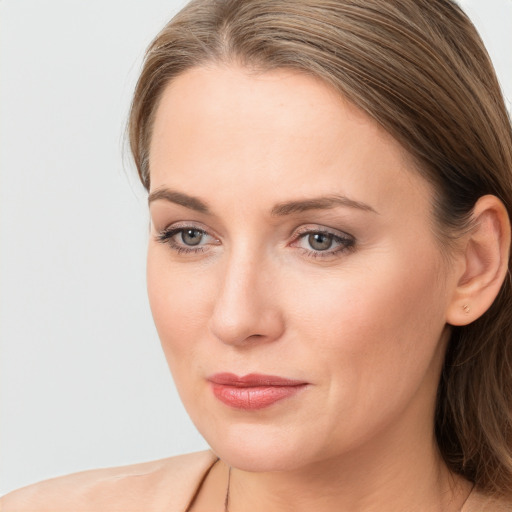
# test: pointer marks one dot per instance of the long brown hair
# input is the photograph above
(419, 68)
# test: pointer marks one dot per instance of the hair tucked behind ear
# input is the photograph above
(419, 68)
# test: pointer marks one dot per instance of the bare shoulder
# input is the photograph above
(480, 502)
(166, 484)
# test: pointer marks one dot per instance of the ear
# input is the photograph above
(484, 262)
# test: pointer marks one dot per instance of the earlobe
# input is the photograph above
(485, 257)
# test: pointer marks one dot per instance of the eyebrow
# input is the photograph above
(319, 203)
(179, 198)
(279, 210)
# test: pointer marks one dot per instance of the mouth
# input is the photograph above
(253, 391)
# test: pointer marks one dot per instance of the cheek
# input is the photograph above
(376, 331)
(180, 306)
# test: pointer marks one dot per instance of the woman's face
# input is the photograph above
(292, 239)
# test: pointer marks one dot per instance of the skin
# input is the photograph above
(365, 327)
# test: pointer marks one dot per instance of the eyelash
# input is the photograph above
(346, 242)
(167, 237)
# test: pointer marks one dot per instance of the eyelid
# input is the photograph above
(183, 224)
(317, 228)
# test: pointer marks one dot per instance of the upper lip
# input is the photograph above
(253, 380)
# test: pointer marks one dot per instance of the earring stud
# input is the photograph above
(466, 308)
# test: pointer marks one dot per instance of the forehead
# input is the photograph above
(227, 126)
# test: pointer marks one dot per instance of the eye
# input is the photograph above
(186, 239)
(321, 243)
(191, 236)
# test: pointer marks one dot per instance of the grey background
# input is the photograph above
(83, 381)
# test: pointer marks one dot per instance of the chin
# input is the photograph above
(256, 449)
(258, 460)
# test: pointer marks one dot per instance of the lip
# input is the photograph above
(253, 391)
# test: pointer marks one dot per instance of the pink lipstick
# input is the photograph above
(253, 391)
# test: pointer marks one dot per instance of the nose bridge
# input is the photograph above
(245, 307)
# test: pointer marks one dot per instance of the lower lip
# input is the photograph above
(253, 398)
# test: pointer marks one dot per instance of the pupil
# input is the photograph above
(191, 236)
(320, 241)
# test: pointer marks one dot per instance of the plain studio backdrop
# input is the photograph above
(83, 380)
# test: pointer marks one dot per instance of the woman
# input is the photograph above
(330, 191)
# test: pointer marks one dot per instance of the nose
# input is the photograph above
(246, 308)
